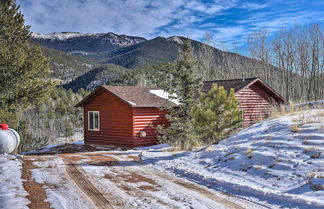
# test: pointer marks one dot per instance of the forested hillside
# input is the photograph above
(55, 120)
(106, 74)
(67, 67)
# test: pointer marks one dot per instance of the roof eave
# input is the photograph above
(93, 94)
(85, 99)
(266, 86)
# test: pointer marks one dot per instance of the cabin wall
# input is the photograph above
(115, 121)
(146, 119)
(255, 101)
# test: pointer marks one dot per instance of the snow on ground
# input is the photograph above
(278, 161)
(12, 193)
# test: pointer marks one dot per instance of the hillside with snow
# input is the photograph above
(278, 161)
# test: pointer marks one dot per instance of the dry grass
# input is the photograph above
(291, 109)
(257, 167)
(300, 116)
(210, 149)
(316, 155)
(310, 176)
(310, 149)
(320, 114)
(278, 111)
(317, 187)
(305, 142)
(295, 128)
(249, 151)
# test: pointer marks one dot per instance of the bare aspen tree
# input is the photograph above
(316, 37)
(259, 48)
(302, 62)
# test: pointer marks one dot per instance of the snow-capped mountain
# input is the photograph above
(61, 35)
(85, 42)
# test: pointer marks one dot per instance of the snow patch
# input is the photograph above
(132, 103)
(12, 192)
(165, 95)
(175, 39)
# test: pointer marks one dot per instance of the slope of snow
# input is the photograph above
(12, 193)
(280, 161)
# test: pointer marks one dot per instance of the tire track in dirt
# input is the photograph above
(85, 185)
(36, 192)
(187, 185)
(197, 189)
(126, 180)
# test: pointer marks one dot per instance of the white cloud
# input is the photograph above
(150, 18)
(133, 17)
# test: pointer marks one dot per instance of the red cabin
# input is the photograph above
(127, 115)
(122, 116)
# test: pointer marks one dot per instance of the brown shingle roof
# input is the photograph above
(236, 84)
(137, 96)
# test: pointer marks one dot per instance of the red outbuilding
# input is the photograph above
(254, 95)
(127, 115)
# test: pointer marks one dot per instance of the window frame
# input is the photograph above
(93, 121)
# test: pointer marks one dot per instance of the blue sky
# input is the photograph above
(227, 21)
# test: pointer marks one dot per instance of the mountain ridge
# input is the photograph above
(106, 51)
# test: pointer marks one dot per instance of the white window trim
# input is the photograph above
(93, 121)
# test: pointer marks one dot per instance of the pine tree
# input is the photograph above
(183, 86)
(216, 115)
(23, 68)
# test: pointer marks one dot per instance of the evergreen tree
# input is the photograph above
(216, 115)
(23, 68)
(183, 86)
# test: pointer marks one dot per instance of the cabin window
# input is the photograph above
(93, 120)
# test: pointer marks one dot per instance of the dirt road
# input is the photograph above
(113, 180)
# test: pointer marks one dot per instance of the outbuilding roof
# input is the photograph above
(236, 84)
(239, 84)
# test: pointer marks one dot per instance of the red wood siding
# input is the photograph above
(115, 121)
(254, 101)
(146, 119)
